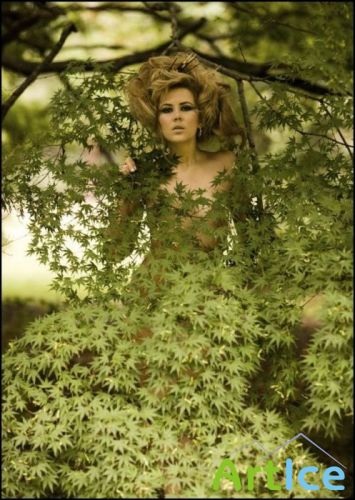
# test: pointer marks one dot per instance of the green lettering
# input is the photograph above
(270, 468)
(222, 473)
(251, 471)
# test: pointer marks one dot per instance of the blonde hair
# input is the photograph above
(160, 74)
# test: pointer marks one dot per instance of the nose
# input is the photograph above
(177, 115)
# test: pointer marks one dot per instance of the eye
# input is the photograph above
(187, 107)
(165, 110)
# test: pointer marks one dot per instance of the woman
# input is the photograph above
(180, 290)
(184, 104)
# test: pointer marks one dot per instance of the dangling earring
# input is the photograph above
(199, 132)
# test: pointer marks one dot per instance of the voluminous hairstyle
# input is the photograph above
(160, 74)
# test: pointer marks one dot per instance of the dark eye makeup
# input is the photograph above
(184, 107)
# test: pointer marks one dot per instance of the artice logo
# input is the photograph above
(227, 470)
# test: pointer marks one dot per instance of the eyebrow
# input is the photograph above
(181, 103)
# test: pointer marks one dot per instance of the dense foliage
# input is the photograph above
(79, 422)
(153, 373)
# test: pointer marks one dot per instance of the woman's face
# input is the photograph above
(178, 116)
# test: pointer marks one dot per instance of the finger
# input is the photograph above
(127, 169)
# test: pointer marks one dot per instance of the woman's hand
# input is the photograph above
(128, 167)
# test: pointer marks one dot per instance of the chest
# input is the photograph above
(194, 181)
(200, 186)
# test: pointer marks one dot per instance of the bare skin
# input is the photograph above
(179, 123)
(201, 176)
(178, 119)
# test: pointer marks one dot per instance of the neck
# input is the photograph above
(187, 152)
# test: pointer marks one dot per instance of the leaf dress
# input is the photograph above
(144, 397)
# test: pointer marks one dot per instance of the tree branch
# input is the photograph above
(174, 23)
(16, 94)
(151, 8)
(175, 42)
(302, 132)
(230, 67)
(211, 40)
(18, 27)
(260, 72)
(348, 146)
(250, 138)
(26, 67)
(95, 46)
(226, 65)
(74, 93)
(266, 19)
(26, 21)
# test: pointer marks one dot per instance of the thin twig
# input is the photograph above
(212, 43)
(250, 138)
(107, 154)
(309, 300)
(40, 180)
(321, 135)
(348, 146)
(9, 242)
(249, 133)
(94, 46)
(269, 20)
(302, 132)
(306, 96)
(13, 98)
(246, 118)
(174, 23)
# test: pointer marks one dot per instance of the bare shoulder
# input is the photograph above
(227, 158)
(222, 160)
